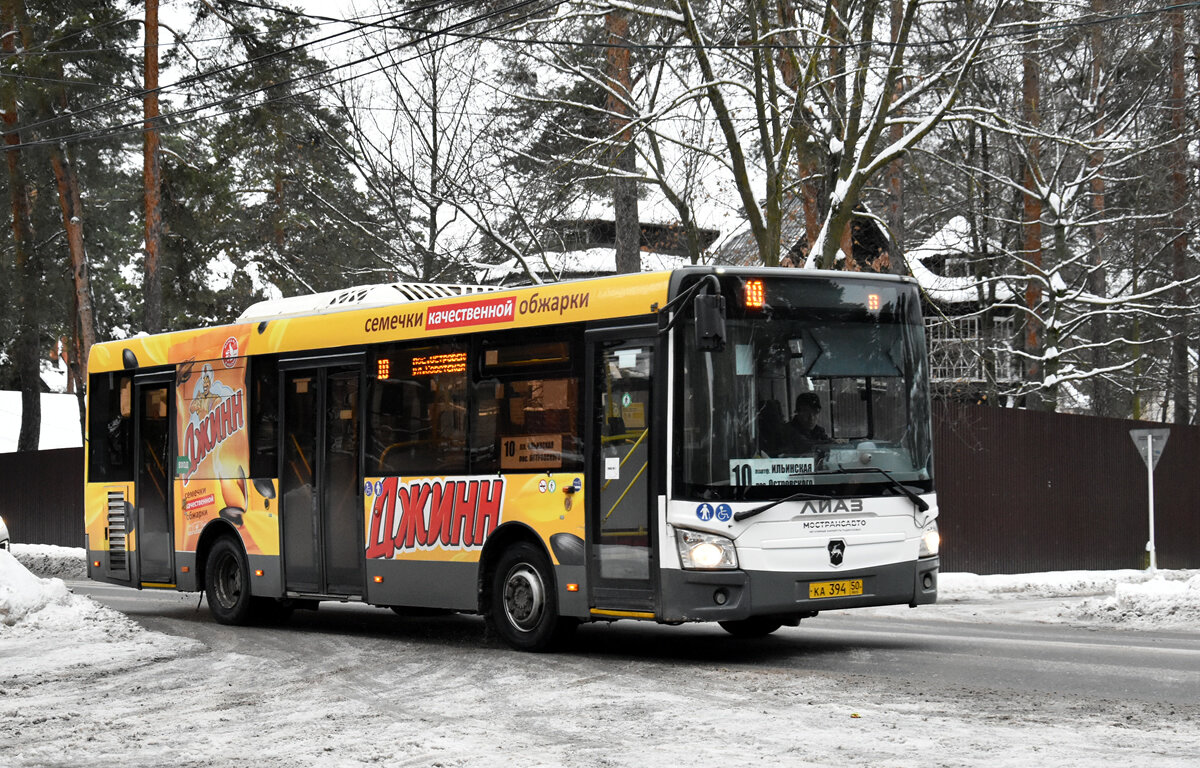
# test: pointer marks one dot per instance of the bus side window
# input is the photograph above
(110, 447)
(416, 411)
(526, 408)
(264, 417)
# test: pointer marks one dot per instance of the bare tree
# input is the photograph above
(1077, 165)
(415, 140)
(842, 112)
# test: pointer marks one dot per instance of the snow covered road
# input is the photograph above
(355, 686)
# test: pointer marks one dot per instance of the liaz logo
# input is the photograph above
(831, 505)
(424, 514)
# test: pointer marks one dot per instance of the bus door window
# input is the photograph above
(154, 476)
(340, 486)
(110, 445)
(300, 539)
(624, 405)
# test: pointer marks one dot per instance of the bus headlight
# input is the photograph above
(705, 550)
(931, 541)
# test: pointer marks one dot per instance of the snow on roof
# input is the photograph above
(60, 421)
(953, 239)
(359, 297)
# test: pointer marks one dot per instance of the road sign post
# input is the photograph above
(1150, 444)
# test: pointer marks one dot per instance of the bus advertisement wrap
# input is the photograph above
(212, 445)
(449, 519)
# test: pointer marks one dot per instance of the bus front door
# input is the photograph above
(321, 517)
(622, 564)
(154, 415)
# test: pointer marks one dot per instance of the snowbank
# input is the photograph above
(1166, 600)
(23, 594)
(47, 560)
(47, 630)
(1129, 598)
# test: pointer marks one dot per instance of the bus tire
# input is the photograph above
(227, 583)
(524, 606)
(755, 626)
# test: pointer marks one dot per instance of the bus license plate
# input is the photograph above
(818, 589)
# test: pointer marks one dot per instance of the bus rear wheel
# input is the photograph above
(524, 607)
(755, 626)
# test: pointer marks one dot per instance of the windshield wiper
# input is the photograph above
(746, 513)
(920, 503)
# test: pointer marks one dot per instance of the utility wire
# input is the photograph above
(1014, 29)
(201, 76)
(162, 121)
(384, 23)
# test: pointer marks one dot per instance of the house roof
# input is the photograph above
(869, 241)
(952, 240)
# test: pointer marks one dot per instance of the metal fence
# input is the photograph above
(1019, 491)
(41, 496)
(1025, 491)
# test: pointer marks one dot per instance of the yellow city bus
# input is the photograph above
(746, 446)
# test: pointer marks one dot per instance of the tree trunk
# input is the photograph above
(25, 272)
(1102, 399)
(151, 175)
(1180, 203)
(1032, 214)
(895, 213)
(625, 204)
(70, 203)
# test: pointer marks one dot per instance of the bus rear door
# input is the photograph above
(321, 486)
(154, 415)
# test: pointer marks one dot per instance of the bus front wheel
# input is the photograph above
(227, 583)
(524, 607)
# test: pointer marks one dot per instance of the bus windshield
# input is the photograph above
(822, 384)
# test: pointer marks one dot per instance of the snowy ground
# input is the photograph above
(80, 682)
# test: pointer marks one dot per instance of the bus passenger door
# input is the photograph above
(321, 489)
(623, 472)
(155, 477)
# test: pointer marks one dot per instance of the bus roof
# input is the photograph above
(411, 311)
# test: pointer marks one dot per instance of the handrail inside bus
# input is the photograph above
(632, 482)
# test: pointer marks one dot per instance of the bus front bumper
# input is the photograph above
(693, 595)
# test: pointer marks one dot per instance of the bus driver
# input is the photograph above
(803, 428)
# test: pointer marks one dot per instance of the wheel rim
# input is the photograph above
(228, 582)
(524, 597)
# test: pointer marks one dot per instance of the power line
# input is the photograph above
(449, 31)
(138, 126)
(199, 77)
(1016, 29)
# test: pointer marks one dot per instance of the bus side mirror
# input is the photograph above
(710, 322)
